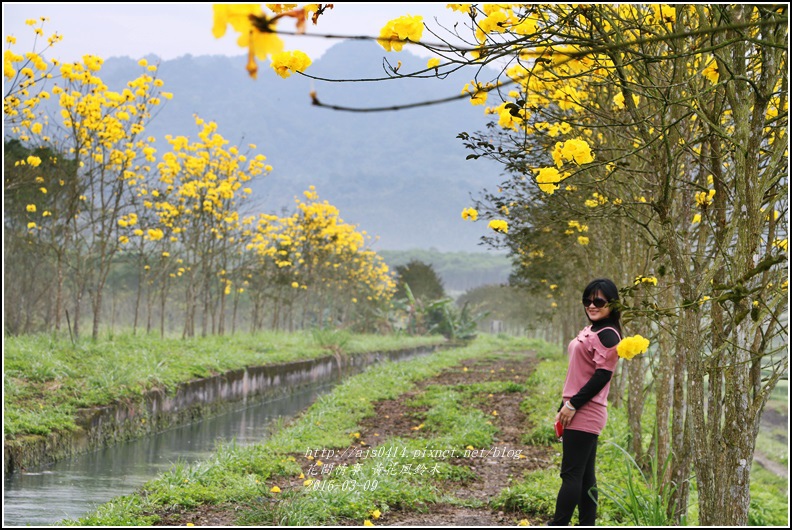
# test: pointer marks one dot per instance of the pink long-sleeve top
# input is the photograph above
(587, 354)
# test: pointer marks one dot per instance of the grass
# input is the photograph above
(245, 475)
(48, 379)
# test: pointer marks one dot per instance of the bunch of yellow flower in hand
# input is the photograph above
(629, 347)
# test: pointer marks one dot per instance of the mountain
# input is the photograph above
(399, 175)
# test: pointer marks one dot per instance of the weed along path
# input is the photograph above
(437, 452)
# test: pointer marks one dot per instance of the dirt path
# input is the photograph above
(493, 471)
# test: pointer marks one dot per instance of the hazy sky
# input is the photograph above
(172, 30)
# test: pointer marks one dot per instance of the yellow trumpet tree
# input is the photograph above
(315, 262)
(202, 185)
(100, 132)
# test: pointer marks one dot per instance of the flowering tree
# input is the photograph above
(201, 184)
(314, 260)
(101, 135)
(672, 119)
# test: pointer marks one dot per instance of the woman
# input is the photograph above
(583, 412)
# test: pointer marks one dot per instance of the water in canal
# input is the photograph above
(71, 488)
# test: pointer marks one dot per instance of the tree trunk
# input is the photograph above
(59, 293)
(636, 373)
(664, 386)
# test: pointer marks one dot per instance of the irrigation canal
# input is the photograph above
(71, 488)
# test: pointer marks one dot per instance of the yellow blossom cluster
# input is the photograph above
(597, 200)
(548, 178)
(711, 71)
(629, 347)
(645, 279)
(704, 198)
(315, 249)
(395, 33)
(100, 129)
(575, 149)
(284, 63)
(470, 214)
(577, 226)
(499, 225)
(618, 100)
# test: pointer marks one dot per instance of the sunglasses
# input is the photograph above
(598, 302)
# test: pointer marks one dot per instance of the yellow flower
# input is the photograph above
(295, 285)
(285, 63)
(259, 44)
(704, 199)
(499, 225)
(376, 514)
(470, 214)
(548, 178)
(645, 279)
(33, 161)
(367, 523)
(583, 240)
(462, 8)
(275, 489)
(577, 150)
(711, 72)
(31, 208)
(629, 347)
(478, 96)
(697, 218)
(434, 62)
(31, 225)
(523, 522)
(397, 31)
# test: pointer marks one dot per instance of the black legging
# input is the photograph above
(577, 476)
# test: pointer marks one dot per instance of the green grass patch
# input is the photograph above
(769, 499)
(47, 379)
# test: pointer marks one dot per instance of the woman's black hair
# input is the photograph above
(611, 293)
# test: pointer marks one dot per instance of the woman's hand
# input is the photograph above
(565, 415)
